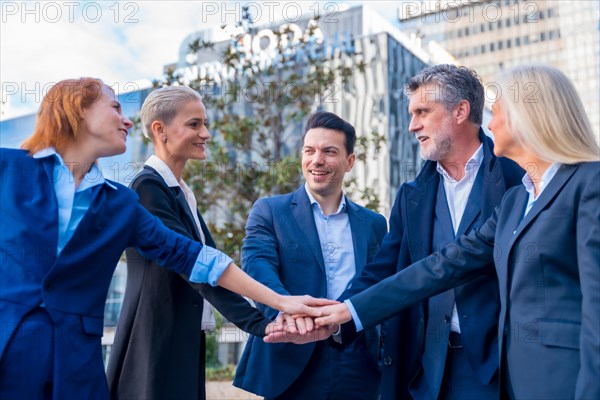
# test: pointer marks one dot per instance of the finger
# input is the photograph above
(289, 324)
(309, 324)
(317, 302)
(301, 325)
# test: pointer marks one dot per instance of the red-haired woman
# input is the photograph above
(63, 228)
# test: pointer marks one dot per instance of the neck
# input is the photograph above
(459, 155)
(78, 161)
(176, 166)
(535, 168)
(329, 203)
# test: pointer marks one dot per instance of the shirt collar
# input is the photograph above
(546, 178)
(163, 170)
(92, 178)
(471, 166)
(341, 207)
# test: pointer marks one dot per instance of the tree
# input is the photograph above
(257, 103)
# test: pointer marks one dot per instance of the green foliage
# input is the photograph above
(225, 373)
(257, 106)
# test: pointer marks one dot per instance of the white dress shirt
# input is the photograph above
(457, 196)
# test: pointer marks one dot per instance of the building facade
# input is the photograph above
(488, 35)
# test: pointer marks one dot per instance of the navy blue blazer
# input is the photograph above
(282, 250)
(74, 284)
(409, 240)
(548, 268)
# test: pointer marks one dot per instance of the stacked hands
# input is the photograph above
(306, 319)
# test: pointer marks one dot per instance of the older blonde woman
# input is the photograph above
(544, 240)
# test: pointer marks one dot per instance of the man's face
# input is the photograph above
(431, 123)
(325, 161)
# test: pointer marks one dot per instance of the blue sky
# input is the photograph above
(125, 43)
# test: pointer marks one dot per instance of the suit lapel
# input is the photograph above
(419, 224)
(183, 206)
(209, 239)
(359, 235)
(302, 211)
(560, 179)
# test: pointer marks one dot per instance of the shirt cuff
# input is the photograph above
(209, 266)
(359, 325)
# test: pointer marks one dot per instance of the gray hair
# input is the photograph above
(452, 85)
(545, 114)
(162, 105)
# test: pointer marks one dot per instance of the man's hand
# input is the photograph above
(298, 330)
(334, 314)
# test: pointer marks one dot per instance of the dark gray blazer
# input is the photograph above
(159, 350)
(548, 268)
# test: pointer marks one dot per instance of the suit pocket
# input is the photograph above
(559, 334)
(92, 326)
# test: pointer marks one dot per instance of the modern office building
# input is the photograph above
(488, 35)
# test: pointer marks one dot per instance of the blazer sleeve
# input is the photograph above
(588, 262)
(157, 198)
(385, 261)
(260, 251)
(457, 263)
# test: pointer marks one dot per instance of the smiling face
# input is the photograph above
(103, 126)
(431, 123)
(185, 136)
(325, 161)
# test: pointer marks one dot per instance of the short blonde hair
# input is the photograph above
(546, 115)
(162, 105)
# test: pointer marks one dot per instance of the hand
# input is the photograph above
(287, 336)
(302, 306)
(334, 314)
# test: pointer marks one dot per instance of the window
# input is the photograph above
(517, 42)
(500, 45)
(492, 46)
(543, 36)
(508, 43)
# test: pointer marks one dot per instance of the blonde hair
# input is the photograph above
(546, 115)
(61, 111)
(162, 105)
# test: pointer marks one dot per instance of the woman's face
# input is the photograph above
(103, 126)
(187, 134)
(504, 143)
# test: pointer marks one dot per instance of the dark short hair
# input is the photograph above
(327, 120)
(454, 84)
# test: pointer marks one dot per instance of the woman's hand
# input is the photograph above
(302, 306)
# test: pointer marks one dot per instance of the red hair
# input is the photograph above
(60, 113)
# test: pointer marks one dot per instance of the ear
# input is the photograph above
(351, 159)
(462, 111)
(158, 130)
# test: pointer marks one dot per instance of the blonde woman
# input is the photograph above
(159, 350)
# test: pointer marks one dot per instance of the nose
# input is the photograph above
(204, 133)
(414, 125)
(127, 122)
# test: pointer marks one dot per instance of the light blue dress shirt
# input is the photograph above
(337, 246)
(73, 203)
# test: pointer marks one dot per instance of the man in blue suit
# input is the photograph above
(445, 347)
(312, 241)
